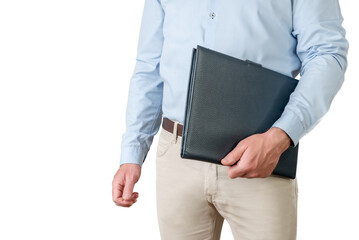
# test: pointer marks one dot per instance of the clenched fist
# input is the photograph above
(123, 183)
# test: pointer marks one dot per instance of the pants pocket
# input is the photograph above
(164, 143)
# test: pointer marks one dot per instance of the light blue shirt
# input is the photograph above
(287, 36)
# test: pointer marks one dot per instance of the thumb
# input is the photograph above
(128, 189)
(233, 156)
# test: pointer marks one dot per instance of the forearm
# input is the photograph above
(322, 49)
(312, 98)
(144, 105)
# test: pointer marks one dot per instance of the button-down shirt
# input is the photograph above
(287, 36)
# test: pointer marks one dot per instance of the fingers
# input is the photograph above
(251, 175)
(240, 170)
(245, 168)
(128, 189)
(119, 187)
(233, 156)
(257, 158)
(123, 183)
(127, 203)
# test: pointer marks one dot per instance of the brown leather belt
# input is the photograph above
(168, 125)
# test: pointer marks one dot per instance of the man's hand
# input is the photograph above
(258, 154)
(123, 183)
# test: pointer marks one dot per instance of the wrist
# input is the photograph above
(279, 137)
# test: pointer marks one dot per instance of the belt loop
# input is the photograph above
(174, 134)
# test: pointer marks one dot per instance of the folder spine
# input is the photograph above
(189, 99)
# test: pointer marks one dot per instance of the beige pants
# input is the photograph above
(194, 197)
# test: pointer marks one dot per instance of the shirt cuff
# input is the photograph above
(133, 154)
(291, 124)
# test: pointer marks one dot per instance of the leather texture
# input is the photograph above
(229, 99)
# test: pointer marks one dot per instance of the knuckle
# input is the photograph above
(130, 177)
(114, 181)
(230, 156)
(242, 143)
(247, 168)
(231, 175)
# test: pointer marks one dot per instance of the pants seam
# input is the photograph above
(214, 225)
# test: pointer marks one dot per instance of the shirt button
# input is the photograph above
(212, 15)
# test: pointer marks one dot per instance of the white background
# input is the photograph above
(65, 68)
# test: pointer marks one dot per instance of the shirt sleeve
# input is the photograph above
(144, 104)
(322, 50)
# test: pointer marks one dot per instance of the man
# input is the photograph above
(194, 197)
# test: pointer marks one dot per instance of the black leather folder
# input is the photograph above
(229, 99)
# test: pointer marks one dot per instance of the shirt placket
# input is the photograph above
(211, 18)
